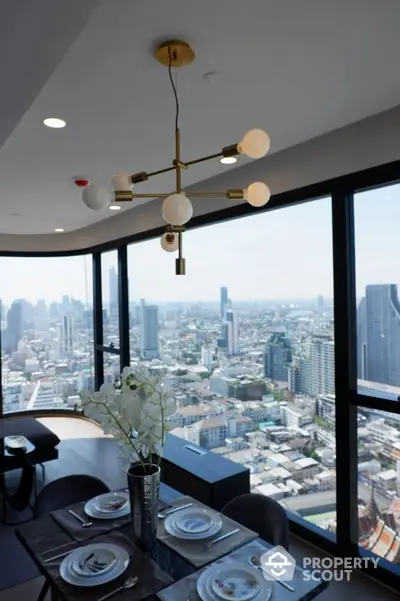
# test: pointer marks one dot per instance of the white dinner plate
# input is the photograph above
(90, 563)
(68, 573)
(171, 528)
(206, 579)
(101, 507)
(195, 521)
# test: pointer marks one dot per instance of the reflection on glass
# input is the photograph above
(377, 216)
(46, 331)
(379, 483)
(109, 283)
(246, 339)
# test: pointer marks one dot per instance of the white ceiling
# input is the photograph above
(298, 68)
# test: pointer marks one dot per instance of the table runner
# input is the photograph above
(186, 589)
(197, 552)
(151, 578)
(71, 525)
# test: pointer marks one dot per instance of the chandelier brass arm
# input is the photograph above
(123, 196)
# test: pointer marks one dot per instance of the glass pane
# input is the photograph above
(109, 284)
(112, 368)
(379, 483)
(246, 338)
(46, 331)
(377, 220)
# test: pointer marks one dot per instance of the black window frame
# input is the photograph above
(341, 190)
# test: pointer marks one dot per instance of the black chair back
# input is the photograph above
(261, 514)
(67, 491)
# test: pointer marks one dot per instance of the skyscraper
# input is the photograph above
(13, 332)
(149, 331)
(320, 303)
(232, 332)
(378, 335)
(68, 338)
(277, 357)
(113, 288)
(223, 301)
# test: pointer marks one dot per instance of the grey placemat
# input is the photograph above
(75, 529)
(199, 553)
(151, 578)
(186, 589)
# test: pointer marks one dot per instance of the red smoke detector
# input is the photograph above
(81, 183)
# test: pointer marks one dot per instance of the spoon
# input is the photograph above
(130, 583)
(84, 523)
(256, 563)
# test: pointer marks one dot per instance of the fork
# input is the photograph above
(130, 583)
(84, 523)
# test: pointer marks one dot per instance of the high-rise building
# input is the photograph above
(113, 288)
(313, 372)
(378, 335)
(232, 332)
(13, 332)
(322, 366)
(149, 331)
(207, 356)
(277, 357)
(320, 303)
(223, 301)
(68, 336)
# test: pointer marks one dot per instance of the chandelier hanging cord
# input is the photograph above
(171, 58)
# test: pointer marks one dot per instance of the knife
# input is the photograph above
(223, 537)
(162, 515)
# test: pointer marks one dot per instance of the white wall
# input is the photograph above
(373, 141)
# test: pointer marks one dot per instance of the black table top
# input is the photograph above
(45, 538)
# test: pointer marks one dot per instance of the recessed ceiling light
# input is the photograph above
(59, 230)
(228, 160)
(54, 122)
(114, 207)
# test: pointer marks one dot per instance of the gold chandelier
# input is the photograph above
(177, 209)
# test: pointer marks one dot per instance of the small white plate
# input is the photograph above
(205, 580)
(97, 507)
(195, 521)
(90, 563)
(68, 574)
(171, 528)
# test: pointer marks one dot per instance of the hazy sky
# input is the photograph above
(283, 254)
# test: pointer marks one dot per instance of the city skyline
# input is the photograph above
(292, 248)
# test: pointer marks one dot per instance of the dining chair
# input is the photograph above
(61, 493)
(262, 515)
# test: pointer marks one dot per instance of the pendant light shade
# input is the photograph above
(96, 197)
(177, 209)
(257, 194)
(255, 144)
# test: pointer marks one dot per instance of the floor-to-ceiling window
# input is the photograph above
(246, 338)
(46, 331)
(377, 270)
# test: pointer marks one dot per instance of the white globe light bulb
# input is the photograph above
(170, 242)
(122, 182)
(177, 209)
(257, 194)
(255, 144)
(96, 197)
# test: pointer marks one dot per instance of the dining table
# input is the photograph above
(168, 572)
